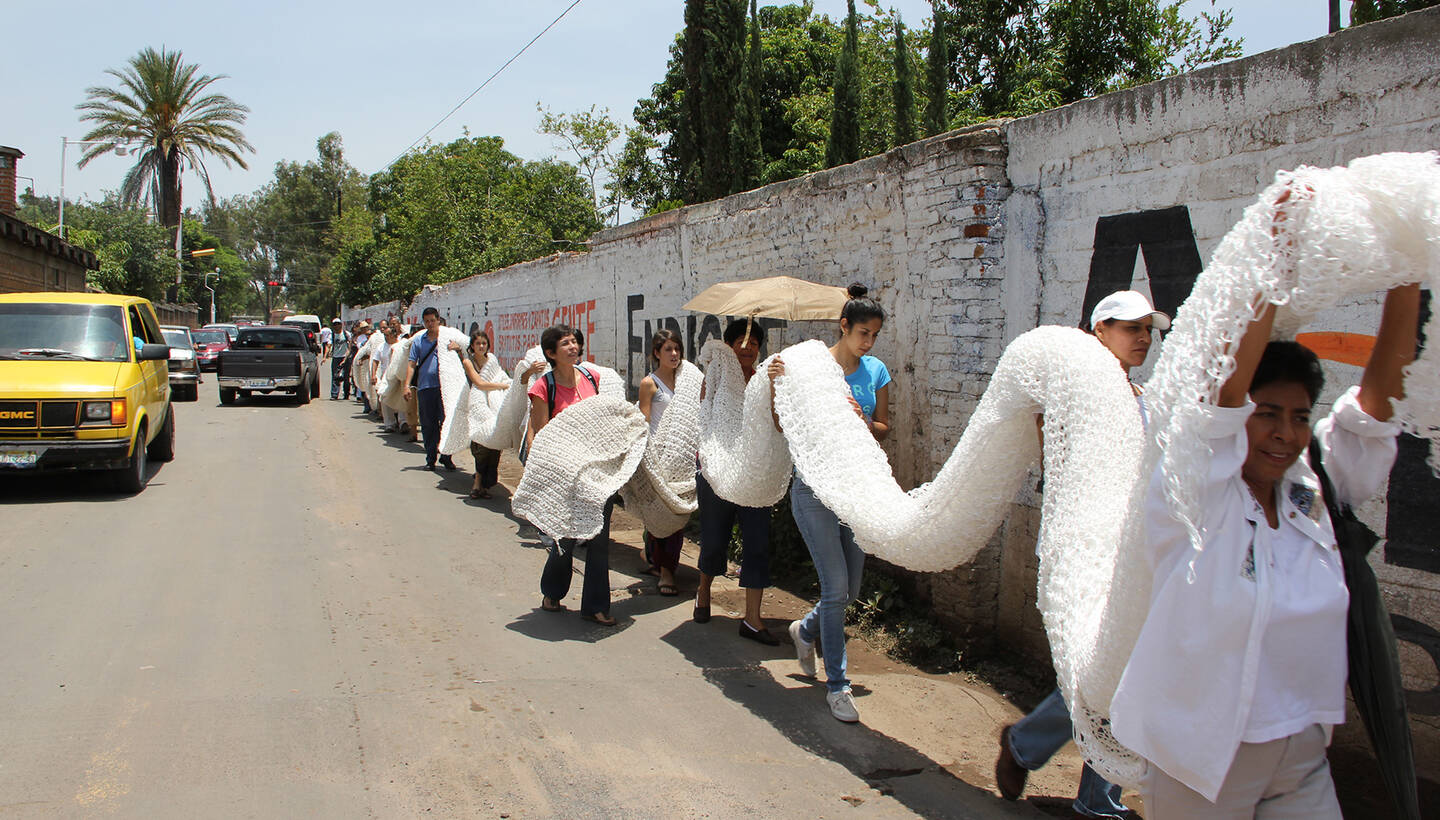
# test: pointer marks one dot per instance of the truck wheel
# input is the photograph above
(315, 385)
(131, 477)
(244, 394)
(162, 449)
(227, 395)
(302, 393)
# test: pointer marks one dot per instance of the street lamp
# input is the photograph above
(216, 274)
(120, 151)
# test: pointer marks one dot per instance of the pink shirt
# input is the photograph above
(565, 396)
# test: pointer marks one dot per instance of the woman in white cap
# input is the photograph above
(1124, 322)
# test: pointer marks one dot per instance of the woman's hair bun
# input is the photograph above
(856, 290)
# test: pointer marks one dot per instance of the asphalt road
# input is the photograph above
(294, 620)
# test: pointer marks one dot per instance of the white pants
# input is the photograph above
(1279, 780)
(389, 417)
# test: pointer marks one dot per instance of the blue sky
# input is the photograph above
(383, 73)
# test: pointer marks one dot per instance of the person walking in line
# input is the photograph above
(389, 419)
(411, 427)
(362, 337)
(718, 518)
(487, 461)
(838, 561)
(1239, 672)
(656, 391)
(423, 371)
(567, 384)
(1123, 322)
(339, 353)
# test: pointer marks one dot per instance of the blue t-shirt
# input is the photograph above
(870, 376)
(430, 370)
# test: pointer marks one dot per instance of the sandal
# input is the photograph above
(551, 605)
(668, 590)
(479, 494)
(600, 618)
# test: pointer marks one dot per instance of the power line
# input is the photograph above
(481, 87)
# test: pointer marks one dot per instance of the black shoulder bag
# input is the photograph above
(415, 376)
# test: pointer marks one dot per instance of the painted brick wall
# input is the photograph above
(976, 236)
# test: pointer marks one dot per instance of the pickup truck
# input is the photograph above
(266, 358)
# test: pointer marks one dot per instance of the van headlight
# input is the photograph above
(97, 411)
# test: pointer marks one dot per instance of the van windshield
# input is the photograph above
(31, 330)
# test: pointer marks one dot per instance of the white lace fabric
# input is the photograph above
(661, 493)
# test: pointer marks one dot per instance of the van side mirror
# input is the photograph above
(154, 352)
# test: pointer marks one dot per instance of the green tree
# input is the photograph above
(937, 74)
(843, 144)
(903, 89)
(746, 159)
(166, 105)
(720, 73)
(589, 136)
(130, 247)
(1368, 11)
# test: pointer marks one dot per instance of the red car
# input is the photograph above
(208, 344)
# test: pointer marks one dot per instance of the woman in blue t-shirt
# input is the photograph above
(838, 561)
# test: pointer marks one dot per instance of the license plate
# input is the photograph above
(19, 458)
(259, 382)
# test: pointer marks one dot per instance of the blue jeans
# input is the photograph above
(1041, 734)
(432, 413)
(560, 562)
(717, 519)
(839, 563)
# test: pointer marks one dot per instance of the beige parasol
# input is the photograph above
(774, 297)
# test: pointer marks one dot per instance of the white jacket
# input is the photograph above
(1185, 698)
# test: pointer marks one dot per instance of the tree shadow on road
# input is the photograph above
(887, 765)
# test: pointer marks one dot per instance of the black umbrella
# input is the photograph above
(1374, 659)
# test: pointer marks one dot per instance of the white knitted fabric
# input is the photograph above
(454, 388)
(1346, 231)
(742, 455)
(662, 491)
(363, 359)
(577, 461)
(392, 384)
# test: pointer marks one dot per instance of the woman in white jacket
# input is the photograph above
(1239, 673)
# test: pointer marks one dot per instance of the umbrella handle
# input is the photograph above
(745, 340)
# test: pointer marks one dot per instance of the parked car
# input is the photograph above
(83, 385)
(231, 330)
(311, 325)
(266, 358)
(208, 344)
(184, 367)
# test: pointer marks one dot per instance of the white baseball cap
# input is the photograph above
(1127, 306)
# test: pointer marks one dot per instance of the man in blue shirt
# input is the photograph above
(425, 361)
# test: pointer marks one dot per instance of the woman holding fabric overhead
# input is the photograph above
(838, 561)
(1240, 669)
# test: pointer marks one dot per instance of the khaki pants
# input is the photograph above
(1279, 780)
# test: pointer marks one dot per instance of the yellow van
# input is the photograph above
(84, 385)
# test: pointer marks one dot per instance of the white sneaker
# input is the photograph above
(842, 706)
(804, 650)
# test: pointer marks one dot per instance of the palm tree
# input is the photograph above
(162, 104)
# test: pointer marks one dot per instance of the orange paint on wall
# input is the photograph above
(1346, 348)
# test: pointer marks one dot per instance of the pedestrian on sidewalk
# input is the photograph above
(656, 391)
(838, 560)
(423, 372)
(567, 384)
(718, 517)
(1123, 322)
(339, 353)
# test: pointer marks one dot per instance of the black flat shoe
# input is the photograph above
(761, 635)
(702, 615)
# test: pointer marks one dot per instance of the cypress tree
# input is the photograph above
(903, 88)
(843, 144)
(746, 156)
(687, 135)
(937, 69)
(720, 72)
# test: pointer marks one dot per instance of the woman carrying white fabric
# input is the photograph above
(1239, 672)
(838, 561)
(656, 391)
(389, 419)
(487, 461)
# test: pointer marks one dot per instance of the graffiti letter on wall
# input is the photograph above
(1172, 259)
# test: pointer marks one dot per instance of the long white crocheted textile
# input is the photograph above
(454, 384)
(742, 455)
(392, 387)
(474, 408)
(577, 461)
(662, 491)
(363, 358)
